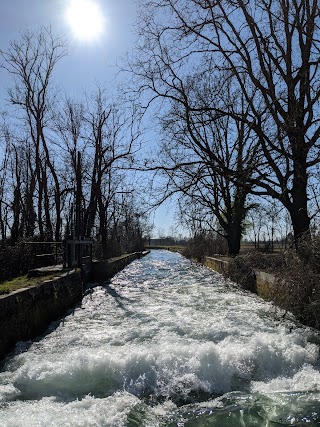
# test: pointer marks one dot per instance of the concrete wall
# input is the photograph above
(217, 264)
(265, 282)
(104, 270)
(26, 313)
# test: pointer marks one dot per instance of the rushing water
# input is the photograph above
(165, 343)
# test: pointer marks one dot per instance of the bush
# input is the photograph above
(298, 290)
(15, 260)
(269, 262)
(241, 272)
(204, 244)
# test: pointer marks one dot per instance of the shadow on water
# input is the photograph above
(120, 300)
(23, 346)
(125, 304)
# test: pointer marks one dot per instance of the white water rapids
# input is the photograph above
(165, 343)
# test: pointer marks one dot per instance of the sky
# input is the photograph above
(93, 49)
(89, 60)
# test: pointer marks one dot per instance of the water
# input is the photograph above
(166, 343)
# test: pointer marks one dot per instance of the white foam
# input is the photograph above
(169, 333)
(306, 379)
(88, 412)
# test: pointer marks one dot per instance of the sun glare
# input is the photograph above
(85, 19)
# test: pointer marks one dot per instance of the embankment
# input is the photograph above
(263, 283)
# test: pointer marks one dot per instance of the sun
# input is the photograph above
(85, 19)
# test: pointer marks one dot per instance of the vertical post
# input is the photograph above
(56, 253)
(78, 209)
(65, 253)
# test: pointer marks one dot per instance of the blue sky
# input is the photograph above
(88, 62)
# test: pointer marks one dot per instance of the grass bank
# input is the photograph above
(23, 282)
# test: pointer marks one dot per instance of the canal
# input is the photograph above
(165, 343)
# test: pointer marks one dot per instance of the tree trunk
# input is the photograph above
(2, 226)
(235, 221)
(299, 206)
(234, 239)
(16, 214)
(48, 223)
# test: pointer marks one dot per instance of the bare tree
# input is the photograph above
(4, 176)
(205, 156)
(198, 175)
(31, 61)
(17, 185)
(270, 51)
(69, 138)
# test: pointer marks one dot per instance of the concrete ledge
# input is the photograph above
(217, 264)
(265, 282)
(26, 313)
(104, 270)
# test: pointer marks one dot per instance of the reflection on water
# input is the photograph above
(166, 343)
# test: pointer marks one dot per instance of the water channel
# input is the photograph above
(165, 343)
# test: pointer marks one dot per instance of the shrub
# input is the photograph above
(298, 290)
(15, 260)
(241, 272)
(205, 244)
(297, 287)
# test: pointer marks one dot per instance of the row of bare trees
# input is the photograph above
(57, 152)
(238, 86)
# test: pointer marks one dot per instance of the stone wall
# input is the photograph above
(26, 313)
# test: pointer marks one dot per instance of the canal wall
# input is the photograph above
(104, 270)
(265, 283)
(217, 264)
(26, 313)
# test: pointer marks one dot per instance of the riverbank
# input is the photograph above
(48, 294)
(257, 281)
(283, 278)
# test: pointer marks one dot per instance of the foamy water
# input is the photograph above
(165, 343)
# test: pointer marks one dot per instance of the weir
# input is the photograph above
(165, 342)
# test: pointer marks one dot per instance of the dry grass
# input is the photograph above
(297, 287)
(22, 282)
